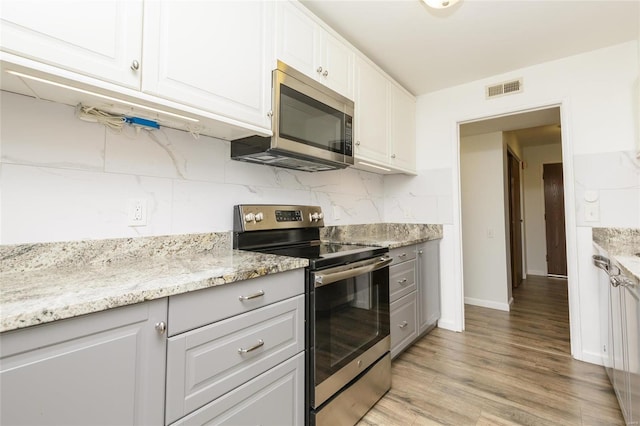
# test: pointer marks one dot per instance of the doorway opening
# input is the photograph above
(504, 230)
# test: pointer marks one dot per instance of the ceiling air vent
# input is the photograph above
(506, 88)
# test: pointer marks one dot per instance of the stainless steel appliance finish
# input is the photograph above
(622, 337)
(353, 403)
(347, 336)
(312, 127)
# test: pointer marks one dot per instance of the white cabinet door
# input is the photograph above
(304, 45)
(371, 114)
(337, 63)
(103, 368)
(297, 39)
(403, 129)
(101, 39)
(212, 55)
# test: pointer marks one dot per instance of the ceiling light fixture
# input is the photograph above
(440, 4)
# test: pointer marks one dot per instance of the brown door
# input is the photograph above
(554, 219)
(515, 220)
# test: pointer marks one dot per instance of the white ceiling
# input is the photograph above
(426, 49)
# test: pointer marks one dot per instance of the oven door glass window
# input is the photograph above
(351, 316)
(305, 120)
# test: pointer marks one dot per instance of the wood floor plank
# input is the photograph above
(506, 368)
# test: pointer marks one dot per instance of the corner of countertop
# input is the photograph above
(390, 235)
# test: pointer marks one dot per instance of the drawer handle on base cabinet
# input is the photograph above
(252, 348)
(402, 281)
(402, 255)
(251, 296)
(403, 324)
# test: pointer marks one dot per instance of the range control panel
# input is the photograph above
(260, 217)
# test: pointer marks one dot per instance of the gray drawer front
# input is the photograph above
(403, 321)
(191, 310)
(273, 398)
(402, 279)
(205, 363)
(402, 254)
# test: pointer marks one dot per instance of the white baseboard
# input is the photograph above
(448, 325)
(487, 304)
(539, 273)
(590, 357)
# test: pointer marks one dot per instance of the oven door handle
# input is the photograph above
(344, 272)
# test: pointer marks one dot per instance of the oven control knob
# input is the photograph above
(320, 216)
(259, 217)
(250, 217)
(314, 217)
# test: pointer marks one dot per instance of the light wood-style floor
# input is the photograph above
(507, 368)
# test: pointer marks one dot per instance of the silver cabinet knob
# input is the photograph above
(403, 324)
(135, 65)
(393, 156)
(325, 73)
(319, 70)
(357, 143)
(420, 252)
(270, 114)
(161, 327)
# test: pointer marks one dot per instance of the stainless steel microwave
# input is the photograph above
(312, 126)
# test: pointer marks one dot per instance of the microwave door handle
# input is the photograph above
(324, 278)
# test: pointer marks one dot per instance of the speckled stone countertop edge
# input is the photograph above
(621, 246)
(42, 283)
(391, 235)
(67, 296)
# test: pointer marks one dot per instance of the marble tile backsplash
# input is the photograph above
(614, 178)
(65, 179)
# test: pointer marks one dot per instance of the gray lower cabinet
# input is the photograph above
(106, 368)
(274, 398)
(403, 315)
(428, 263)
(237, 350)
(414, 293)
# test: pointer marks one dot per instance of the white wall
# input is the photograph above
(596, 92)
(483, 221)
(533, 190)
(65, 179)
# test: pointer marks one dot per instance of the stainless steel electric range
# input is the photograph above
(348, 365)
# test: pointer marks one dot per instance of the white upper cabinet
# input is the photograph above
(213, 55)
(371, 124)
(305, 45)
(385, 123)
(402, 138)
(101, 39)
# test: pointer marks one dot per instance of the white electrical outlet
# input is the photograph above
(137, 212)
(336, 213)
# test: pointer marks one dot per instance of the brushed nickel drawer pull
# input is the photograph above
(402, 255)
(252, 348)
(402, 281)
(403, 324)
(251, 296)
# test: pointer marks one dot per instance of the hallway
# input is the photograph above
(507, 368)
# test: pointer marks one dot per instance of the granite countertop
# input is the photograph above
(45, 282)
(40, 283)
(623, 247)
(392, 235)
